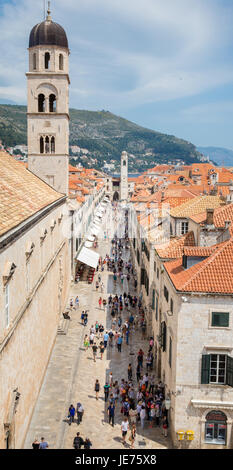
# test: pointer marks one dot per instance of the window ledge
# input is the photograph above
(212, 404)
(214, 347)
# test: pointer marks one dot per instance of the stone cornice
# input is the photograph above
(212, 404)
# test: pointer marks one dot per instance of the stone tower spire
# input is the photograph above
(124, 177)
(48, 104)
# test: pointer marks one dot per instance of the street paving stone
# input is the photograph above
(72, 372)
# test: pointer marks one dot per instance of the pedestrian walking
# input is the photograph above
(130, 372)
(119, 343)
(43, 444)
(106, 337)
(106, 391)
(85, 318)
(87, 443)
(100, 302)
(97, 285)
(94, 351)
(71, 414)
(97, 389)
(86, 342)
(78, 441)
(111, 413)
(80, 413)
(164, 425)
(124, 429)
(102, 349)
(132, 436)
(35, 444)
(142, 416)
(77, 302)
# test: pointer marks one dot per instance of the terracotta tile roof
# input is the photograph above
(174, 248)
(220, 216)
(22, 194)
(74, 168)
(214, 274)
(196, 206)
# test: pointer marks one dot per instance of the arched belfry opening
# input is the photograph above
(41, 103)
(116, 196)
(52, 103)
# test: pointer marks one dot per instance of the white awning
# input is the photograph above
(88, 244)
(89, 257)
(95, 230)
(90, 238)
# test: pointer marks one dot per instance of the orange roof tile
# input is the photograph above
(22, 194)
(174, 248)
(214, 274)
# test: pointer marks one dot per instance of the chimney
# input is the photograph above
(209, 216)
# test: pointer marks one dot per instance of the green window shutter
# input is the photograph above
(163, 335)
(229, 376)
(205, 369)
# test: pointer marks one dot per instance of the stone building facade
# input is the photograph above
(34, 289)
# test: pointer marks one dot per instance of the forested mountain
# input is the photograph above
(105, 135)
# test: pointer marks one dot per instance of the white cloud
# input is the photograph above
(124, 53)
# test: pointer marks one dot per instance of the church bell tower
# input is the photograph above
(124, 177)
(48, 104)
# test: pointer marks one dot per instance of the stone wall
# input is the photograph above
(38, 293)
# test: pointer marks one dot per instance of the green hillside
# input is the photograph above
(105, 135)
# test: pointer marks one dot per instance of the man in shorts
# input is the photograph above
(124, 429)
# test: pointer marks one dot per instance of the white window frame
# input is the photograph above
(184, 227)
(217, 373)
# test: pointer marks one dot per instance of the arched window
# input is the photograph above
(42, 144)
(216, 427)
(124, 163)
(47, 60)
(46, 144)
(52, 103)
(53, 145)
(41, 103)
(34, 61)
(61, 62)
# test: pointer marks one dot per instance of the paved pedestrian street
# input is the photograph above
(71, 375)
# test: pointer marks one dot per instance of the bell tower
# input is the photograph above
(48, 104)
(124, 177)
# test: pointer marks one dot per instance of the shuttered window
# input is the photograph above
(205, 369)
(229, 375)
(163, 335)
(153, 299)
(217, 369)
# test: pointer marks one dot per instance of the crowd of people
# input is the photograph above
(137, 400)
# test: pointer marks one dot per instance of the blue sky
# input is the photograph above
(164, 64)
